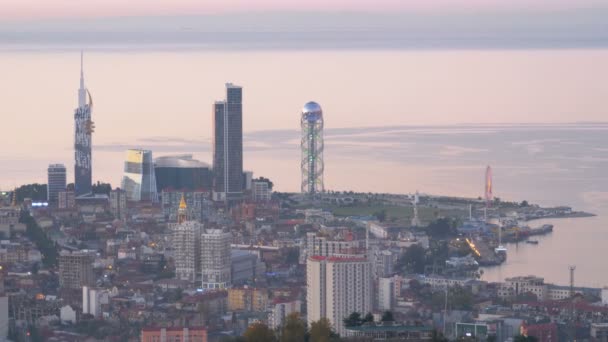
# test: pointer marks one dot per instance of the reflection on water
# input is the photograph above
(573, 242)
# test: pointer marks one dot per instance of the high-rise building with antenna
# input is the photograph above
(83, 131)
(312, 164)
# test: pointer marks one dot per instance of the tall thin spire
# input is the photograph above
(82, 92)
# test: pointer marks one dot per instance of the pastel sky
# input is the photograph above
(36, 9)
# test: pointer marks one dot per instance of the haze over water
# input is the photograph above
(396, 121)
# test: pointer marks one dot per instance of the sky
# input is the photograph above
(38, 9)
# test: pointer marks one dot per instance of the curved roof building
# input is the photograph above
(182, 172)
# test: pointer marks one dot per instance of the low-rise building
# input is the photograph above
(282, 308)
(247, 298)
(173, 334)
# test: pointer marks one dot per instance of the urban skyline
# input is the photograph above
(202, 213)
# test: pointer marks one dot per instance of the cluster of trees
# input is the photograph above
(380, 215)
(355, 318)
(442, 228)
(37, 192)
(47, 247)
(294, 330)
(415, 259)
(100, 188)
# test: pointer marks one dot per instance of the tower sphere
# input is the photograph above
(312, 111)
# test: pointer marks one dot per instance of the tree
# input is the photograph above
(521, 338)
(413, 259)
(36, 192)
(387, 316)
(442, 227)
(102, 188)
(380, 215)
(353, 320)
(320, 331)
(45, 245)
(294, 329)
(459, 298)
(259, 332)
(524, 203)
(438, 337)
(369, 318)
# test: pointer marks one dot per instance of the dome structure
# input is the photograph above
(312, 111)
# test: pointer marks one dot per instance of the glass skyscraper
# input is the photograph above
(228, 145)
(139, 181)
(56, 182)
(83, 132)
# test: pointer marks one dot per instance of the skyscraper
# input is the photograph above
(215, 259)
(83, 131)
(228, 145)
(56, 182)
(118, 204)
(186, 238)
(139, 180)
(312, 147)
(337, 287)
(76, 269)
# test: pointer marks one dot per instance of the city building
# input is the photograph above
(186, 238)
(198, 202)
(9, 221)
(139, 180)
(599, 331)
(330, 246)
(280, 309)
(83, 131)
(4, 317)
(386, 294)
(247, 180)
(384, 261)
(337, 287)
(245, 267)
(182, 173)
(76, 269)
(92, 299)
(56, 183)
(382, 331)
(228, 145)
(247, 299)
(215, 259)
(604, 295)
(261, 191)
(173, 334)
(118, 204)
(311, 145)
(66, 200)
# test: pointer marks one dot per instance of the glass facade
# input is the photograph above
(56, 182)
(228, 145)
(182, 172)
(82, 151)
(139, 180)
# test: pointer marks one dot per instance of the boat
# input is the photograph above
(532, 242)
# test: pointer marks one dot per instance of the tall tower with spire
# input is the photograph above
(82, 91)
(83, 131)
